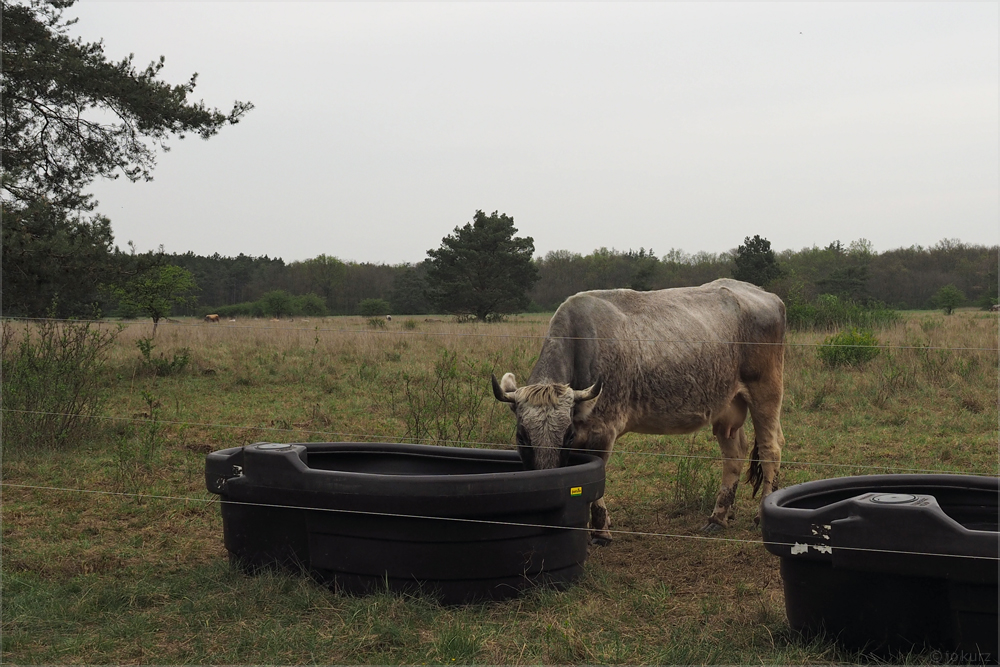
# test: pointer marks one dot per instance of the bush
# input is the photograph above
(449, 405)
(851, 347)
(986, 301)
(160, 366)
(310, 305)
(236, 310)
(373, 308)
(276, 303)
(831, 312)
(137, 448)
(51, 382)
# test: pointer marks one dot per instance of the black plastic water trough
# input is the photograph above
(890, 563)
(459, 524)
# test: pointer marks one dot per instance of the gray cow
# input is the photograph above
(669, 361)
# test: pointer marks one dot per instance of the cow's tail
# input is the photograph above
(755, 473)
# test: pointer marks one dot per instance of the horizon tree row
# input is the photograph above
(904, 278)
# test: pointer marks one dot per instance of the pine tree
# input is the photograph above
(482, 269)
(756, 263)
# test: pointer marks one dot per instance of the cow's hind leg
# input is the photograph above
(733, 443)
(765, 411)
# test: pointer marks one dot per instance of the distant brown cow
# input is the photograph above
(995, 308)
(212, 318)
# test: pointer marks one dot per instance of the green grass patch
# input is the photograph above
(94, 578)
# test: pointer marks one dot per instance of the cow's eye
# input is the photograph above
(522, 437)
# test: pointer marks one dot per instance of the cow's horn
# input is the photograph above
(499, 393)
(588, 394)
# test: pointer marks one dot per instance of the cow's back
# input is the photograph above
(677, 350)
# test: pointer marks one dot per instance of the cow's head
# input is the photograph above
(548, 418)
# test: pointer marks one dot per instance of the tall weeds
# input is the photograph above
(696, 479)
(451, 404)
(137, 446)
(830, 312)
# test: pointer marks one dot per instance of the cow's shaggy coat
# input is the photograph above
(669, 361)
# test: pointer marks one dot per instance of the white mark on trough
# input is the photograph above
(804, 548)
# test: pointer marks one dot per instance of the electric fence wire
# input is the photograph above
(491, 445)
(384, 332)
(494, 522)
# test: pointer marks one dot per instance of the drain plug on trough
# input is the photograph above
(893, 498)
(272, 446)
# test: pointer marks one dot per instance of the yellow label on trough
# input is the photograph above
(576, 491)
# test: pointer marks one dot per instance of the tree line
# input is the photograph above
(904, 278)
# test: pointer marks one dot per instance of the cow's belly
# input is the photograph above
(675, 424)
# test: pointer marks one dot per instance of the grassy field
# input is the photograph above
(108, 576)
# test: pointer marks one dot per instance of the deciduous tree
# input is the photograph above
(156, 291)
(948, 298)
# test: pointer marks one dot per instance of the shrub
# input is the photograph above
(137, 448)
(51, 382)
(160, 365)
(829, 311)
(449, 405)
(310, 304)
(373, 308)
(276, 303)
(986, 301)
(851, 347)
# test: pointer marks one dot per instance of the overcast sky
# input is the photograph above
(379, 128)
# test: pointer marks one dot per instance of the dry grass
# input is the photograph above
(94, 578)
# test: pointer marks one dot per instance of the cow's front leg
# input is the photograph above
(600, 441)
(733, 443)
(600, 523)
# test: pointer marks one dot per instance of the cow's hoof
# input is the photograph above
(600, 541)
(711, 528)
